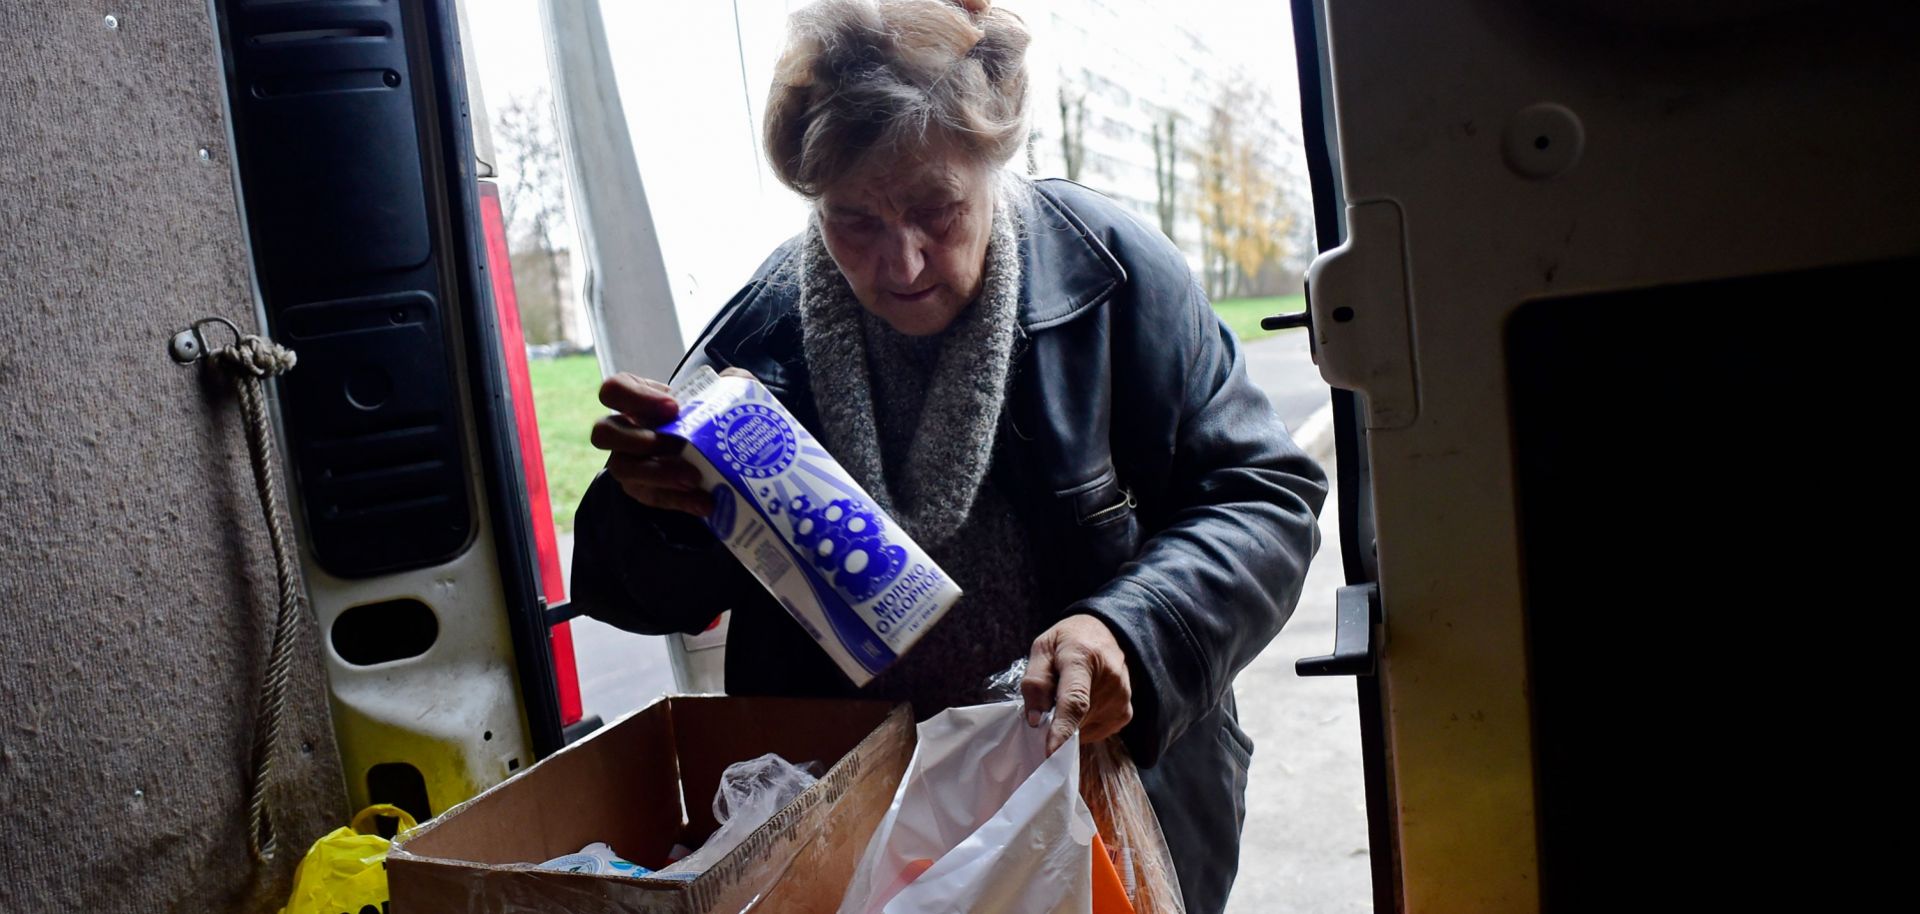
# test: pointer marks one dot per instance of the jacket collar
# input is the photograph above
(1064, 268)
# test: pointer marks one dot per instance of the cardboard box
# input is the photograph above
(646, 783)
(853, 579)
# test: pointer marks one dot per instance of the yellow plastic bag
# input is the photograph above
(345, 871)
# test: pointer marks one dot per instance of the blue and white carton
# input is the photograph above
(812, 536)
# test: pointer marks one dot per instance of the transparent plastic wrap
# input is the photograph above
(750, 793)
(1110, 784)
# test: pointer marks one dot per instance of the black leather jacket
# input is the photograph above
(1163, 495)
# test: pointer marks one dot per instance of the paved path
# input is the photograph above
(1283, 367)
(1305, 845)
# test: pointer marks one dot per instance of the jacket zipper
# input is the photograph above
(1126, 502)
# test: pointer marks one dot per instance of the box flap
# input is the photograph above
(620, 785)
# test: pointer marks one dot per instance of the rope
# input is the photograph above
(251, 360)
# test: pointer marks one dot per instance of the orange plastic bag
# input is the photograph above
(1109, 893)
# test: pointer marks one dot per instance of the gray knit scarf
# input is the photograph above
(935, 484)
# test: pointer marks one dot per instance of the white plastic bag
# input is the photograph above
(984, 821)
(1122, 813)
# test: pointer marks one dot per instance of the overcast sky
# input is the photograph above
(1251, 33)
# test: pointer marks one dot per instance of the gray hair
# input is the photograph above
(860, 76)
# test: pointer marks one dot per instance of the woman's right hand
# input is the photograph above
(647, 464)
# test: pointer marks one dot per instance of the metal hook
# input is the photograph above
(190, 345)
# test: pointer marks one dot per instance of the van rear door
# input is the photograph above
(1605, 290)
(365, 221)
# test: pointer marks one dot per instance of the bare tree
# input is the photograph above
(1214, 159)
(1073, 130)
(1296, 191)
(533, 201)
(1166, 152)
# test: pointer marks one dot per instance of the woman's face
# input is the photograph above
(910, 235)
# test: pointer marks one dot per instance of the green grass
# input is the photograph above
(566, 396)
(1244, 314)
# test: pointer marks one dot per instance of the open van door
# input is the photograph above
(369, 233)
(1602, 290)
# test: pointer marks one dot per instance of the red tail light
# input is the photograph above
(545, 541)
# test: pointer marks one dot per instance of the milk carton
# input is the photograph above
(812, 536)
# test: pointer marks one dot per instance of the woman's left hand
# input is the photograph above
(1077, 669)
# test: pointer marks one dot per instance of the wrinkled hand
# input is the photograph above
(1077, 669)
(645, 463)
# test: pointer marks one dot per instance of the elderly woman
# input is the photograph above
(1028, 380)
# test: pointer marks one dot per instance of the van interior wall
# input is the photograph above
(136, 581)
